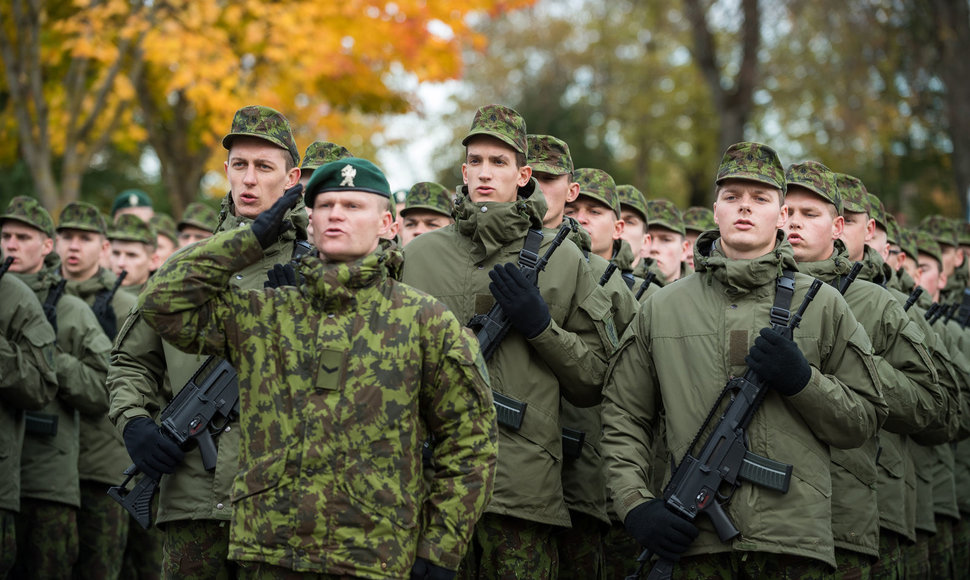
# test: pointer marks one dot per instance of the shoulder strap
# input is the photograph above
(784, 292)
(529, 254)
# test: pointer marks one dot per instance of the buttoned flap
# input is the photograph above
(331, 369)
(860, 462)
(266, 473)
(600, 309)
(891, 460)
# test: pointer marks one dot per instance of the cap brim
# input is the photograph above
(748, 177)
(503, 138)
(428, 208)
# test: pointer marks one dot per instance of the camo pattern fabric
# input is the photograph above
(79, 215)
(29, 211)
(749, 565)
(752, 162)
(664, 214)
(816, 178)
(581, 549)
(597, 184)
(855, 196)
(548, 154)
(633, 198)
(330, 465)
(501, 122)
(941, 229)
(8, 541)
(323, 152)
(102, 526)
(509, 547)
(264, 123)
(699, 219)
(197, 550)
(47, 543)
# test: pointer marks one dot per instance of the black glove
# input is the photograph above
(425, 570)
(660, 530)
(151, 452)
(280, 275)
(105, 314)
(519, 299)
(779, 362)
(268, 225)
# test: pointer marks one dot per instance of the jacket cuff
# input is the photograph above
(437, 556)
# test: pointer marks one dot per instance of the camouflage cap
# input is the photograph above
(501, 122)
(963, 232)
(130, 198)
(28, 210)
(130, 228)
(429, 196)
(198, 215)
(323, 152)
(79, 215)
(664, 214)
(752, 162)
(165, 226)
(816, 178)
(926, 244)
(855, 198)
(597, 184)
(699, 219)
(548, 154)
(351, 174)
(940, 228)
(633, 198)
(877, 211)
(908, 243)
(892, 229)
(264, 123)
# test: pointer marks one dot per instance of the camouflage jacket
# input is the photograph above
(49, 467)
(103, 456)
(341, 380)
(568, 358)
(27, 377)
(147, 372)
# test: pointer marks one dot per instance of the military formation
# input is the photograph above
(538, 374)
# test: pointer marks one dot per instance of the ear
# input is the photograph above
(870, 229)
(782, 217)
(838, 226)
(618, 229)
(573, 192)
(685, 251)
(388, 225)
(645, 249)
(525, 174)
(292, 177)
(714, 209)
(464, 173)
(155, 262)
(942, 279)
(47, 247)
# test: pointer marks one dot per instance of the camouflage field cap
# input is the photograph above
(908, 243)
(501, 122)
(28, 210)
(548, 154)
(940, 228)
(699, 219)
(892, 229)
(926, 244)
(130, 198)
(79, 215)
(264, 123)
(634, 199)
(130, 228)
(429, 196)
(664, 214)
(753, 162)
(877, 211)
(816, 178)
(323, 152)
(351, 174)
(597, 184)
(198, 215)
(855, 197)
(963, 232)
(164, 225)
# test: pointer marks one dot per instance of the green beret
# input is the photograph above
(28, 210)
(633, 198)
(165, 226)
(430, 196)
(925, 244)
(501, 122)
(940, 228)
(664, 214)
(198, 215)
(877, 211)
(549, 155)
(816, 178)
(351, 174)
(264, 123)
(855, 198)
(907, 243)
(699, 219)
(752, 162)
(130, 198)
(131, 228)
(79, 215)
(597, 184)
(323, 152)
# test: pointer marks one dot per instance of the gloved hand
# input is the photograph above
(779, 362)
(151, 452)
(268, 225)
(280, 275)
(659, 530)
(425, 570)
(520, 300)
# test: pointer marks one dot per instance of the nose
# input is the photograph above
(249, 177)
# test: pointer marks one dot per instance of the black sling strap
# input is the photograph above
(784, 291)
(529, 254)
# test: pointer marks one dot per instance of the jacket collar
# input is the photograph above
(491, 226)
(831, 269)
(297, 216)
(335, 286)
(102, 279)
(874, 269)
(741, 276)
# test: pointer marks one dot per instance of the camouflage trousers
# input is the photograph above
(750, 566)
(47, 544)
(102, 526)
(8, 541)
(261, 571)
(941, 549)
(620, 553)
(961, 546)
(851, 565)
(509, 548)
(197, 550)
(916, 557)
(581, 547)
(890, 563)
(143, 553)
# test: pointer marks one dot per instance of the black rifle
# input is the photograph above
(950, 311)
(931, 312)
(646, 283)
(848, 280)
(695, 486)
(913, 297)
(607, 274)
(202, 409)
(102, 307)
(937, 313)
(5, 266)
(50, 305)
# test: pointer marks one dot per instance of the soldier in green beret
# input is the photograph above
(166, 240)
(428, 207)
(197, 223)
(133, 245)
(668, 240)
(132, 201)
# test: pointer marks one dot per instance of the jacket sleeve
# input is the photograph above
(27, 376)
(136, 379)
(82, 357)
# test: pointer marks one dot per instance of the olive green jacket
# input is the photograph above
(676, 357)
(341, 380)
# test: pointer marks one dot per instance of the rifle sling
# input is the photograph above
(784, 292)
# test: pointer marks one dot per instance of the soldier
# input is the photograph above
(668, 240)
(633, 212)
(102, 523)
(363, 369)
(944, 233)
(132, 201)
(47, 533)
(562, 333)
(133, 251)
(822, 387)
(166, 241)
(597, 209)
(428, 207)
(317, 154)
(697, 220)
(197, 223)
(194, 505)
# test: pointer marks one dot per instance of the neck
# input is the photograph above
(80, 277)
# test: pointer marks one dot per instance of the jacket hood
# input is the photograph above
(831, 269)
(334, 286)
(874, 269)
(49, 275)
(579, 236)
(741, 276)
(102, 279)
(623, 256)
(493, 225)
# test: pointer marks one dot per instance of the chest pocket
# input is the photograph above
(331, 369)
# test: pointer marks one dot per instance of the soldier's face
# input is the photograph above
(880, 243)
(136, 258)
(669, 249)
(490, 171)
(164, 248)
(191, 234)
(80, 252)
(931, 276)
(257, 174)
(691, 238)
(558, 191)
(634, 232)
(949, 258)
(348, 224)
(748, 215)
(600, 223)
(858, 230)
(812, 225)
(420, 221)
(26, 245)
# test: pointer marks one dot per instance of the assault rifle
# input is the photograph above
(724, 460)
(646, 284)
(607, 274)
(201, 410)
(102, 307)
(913, 297)
(848, 280)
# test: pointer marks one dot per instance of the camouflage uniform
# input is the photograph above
(330, 461)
